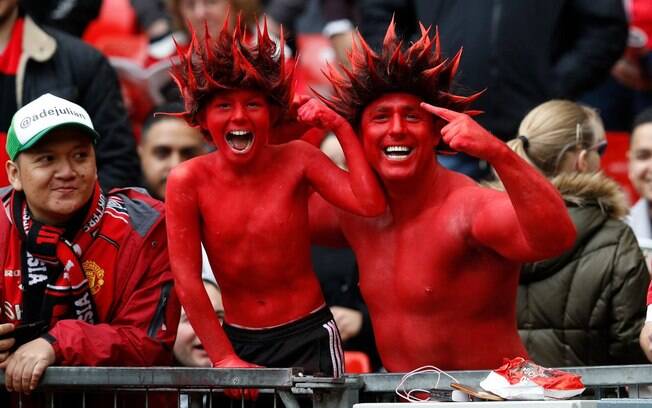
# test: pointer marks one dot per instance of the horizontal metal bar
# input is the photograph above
(614, 375)
(591, 377)
(286, 378)
(351, 382)
(175, 377)
(389, 382)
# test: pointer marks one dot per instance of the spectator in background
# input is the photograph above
(640, 218)
(640, 174)
(585, 307)
(188, 350)
(34, 61)
(523, 51)
(123, 311)
(166, 141)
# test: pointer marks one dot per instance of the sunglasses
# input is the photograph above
(600, 148)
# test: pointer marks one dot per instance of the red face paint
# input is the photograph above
(247, 203)
(238, 121)
(398, 136)
(439, 269)
(231, 60)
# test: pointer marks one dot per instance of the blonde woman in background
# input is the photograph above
(587, 306)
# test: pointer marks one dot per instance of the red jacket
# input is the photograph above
(128, 270)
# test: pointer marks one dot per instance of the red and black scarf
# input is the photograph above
(54, 285)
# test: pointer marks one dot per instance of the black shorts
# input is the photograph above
(312, 342)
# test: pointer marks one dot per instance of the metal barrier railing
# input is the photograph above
(599, 381)
(288, 387)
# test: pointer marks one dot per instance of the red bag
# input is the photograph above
(522, 379)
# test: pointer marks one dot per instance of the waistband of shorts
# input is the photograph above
(302, 325)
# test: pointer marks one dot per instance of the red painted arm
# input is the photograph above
(184, 240)
(357, 191)
(532, 223)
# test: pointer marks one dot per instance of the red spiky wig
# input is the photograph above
(420, 70)
(232, 61)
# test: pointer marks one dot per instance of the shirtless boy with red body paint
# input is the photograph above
(439, 270)
(248, 203)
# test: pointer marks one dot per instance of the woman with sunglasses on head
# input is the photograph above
(587, 306)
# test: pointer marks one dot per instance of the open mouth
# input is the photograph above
(240, 140)
(397, 152)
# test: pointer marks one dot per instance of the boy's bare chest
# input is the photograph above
(251, 209)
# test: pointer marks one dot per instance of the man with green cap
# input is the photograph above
(86, 275)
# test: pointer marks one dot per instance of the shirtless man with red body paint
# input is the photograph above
(439, 270)
(248, 203)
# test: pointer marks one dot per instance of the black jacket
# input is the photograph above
(587, 306)
(524, 52)
(63, 65)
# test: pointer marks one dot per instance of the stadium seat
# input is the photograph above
(117, 18)
(614, 162)
(356, 362)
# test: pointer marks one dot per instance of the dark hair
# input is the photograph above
(230, 62)
(419, 70)
(642, 118)
(158, 114)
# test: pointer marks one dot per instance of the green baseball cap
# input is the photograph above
(39, 117)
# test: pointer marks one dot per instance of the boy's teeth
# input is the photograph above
(239, 140)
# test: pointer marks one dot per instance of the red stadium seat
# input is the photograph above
(614, 162)
(356, 362)
(117, 17)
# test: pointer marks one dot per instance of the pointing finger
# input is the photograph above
(446, 114)
(473, 113)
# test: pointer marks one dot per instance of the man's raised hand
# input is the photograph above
(463, 134)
